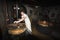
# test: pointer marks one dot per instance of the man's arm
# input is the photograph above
(20, 20)
(23, 18)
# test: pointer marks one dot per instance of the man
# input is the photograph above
(24, 17)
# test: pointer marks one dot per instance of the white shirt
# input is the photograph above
(27, 23)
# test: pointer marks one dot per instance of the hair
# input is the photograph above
(23, 9)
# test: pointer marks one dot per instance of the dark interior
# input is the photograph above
(38, 11)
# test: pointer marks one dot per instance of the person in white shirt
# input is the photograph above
(24, 17)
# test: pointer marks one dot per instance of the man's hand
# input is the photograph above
(16, 21)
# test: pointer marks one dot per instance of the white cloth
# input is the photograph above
(28, 23)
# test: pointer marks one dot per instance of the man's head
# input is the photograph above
(22, 13)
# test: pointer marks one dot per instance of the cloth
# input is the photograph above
(28, 23)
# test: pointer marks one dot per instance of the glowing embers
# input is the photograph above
(43, 23)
